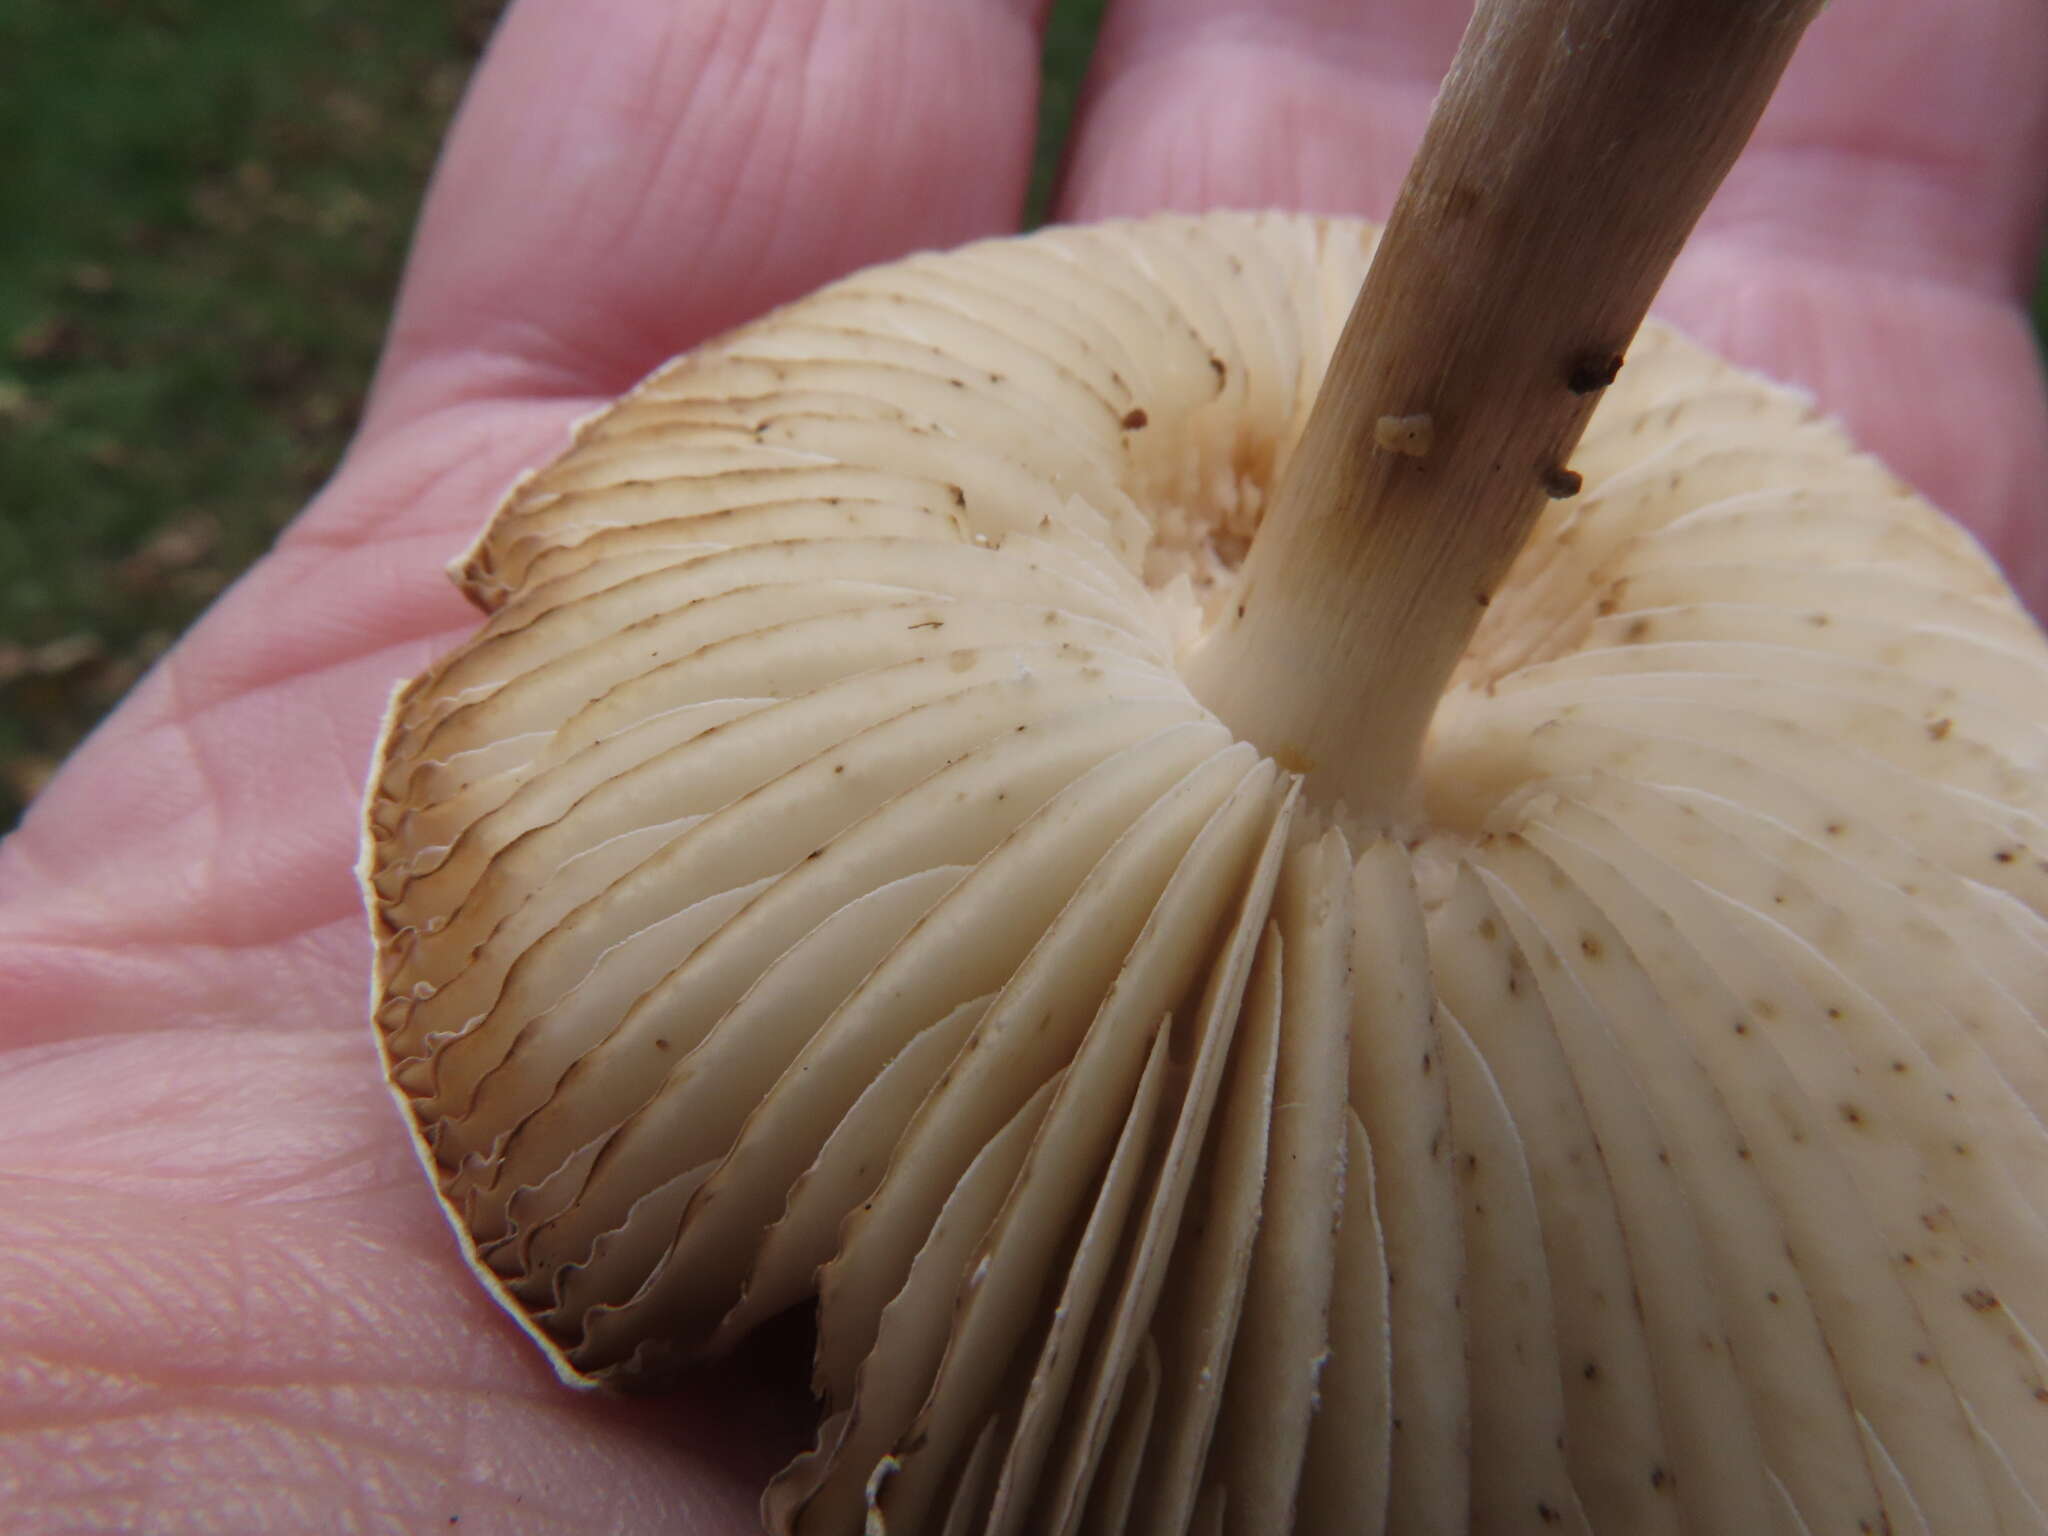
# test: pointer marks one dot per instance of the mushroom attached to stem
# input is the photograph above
(1226, 1057)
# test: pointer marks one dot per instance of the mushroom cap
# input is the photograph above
(815, 879)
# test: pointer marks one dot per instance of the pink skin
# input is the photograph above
(226, 1299)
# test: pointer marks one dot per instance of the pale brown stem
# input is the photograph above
(1571, 150)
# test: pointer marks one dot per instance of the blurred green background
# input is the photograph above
(203, 209)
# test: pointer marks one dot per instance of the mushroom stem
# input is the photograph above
(1571, 149)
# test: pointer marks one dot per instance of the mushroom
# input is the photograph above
(1266, 964)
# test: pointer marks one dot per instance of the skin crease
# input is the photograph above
(227, 1302)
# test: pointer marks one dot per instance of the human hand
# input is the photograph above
(229, 1299)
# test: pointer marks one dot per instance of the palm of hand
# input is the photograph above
(229, 1296)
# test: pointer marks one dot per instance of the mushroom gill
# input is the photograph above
(879, 853)
(816, 878)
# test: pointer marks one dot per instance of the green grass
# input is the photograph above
(2041, 304)
(1069, 39)
(203, 209)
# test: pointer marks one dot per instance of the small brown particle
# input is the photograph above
(1413, 435)
(1560, 484)
(1135, 418)
(1937, 730)
(1589, 946)
(1593, 370)
(1980, 1300)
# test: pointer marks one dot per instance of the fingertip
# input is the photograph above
(1194, 104)
(625, 180)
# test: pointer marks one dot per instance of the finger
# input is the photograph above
(1905, 135)
(1906, 140)
(626, 179)
(1308, 104)
(1874, 242)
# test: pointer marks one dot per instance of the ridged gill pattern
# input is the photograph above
(816, 880)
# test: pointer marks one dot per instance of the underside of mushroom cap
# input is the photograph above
(817, 880)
